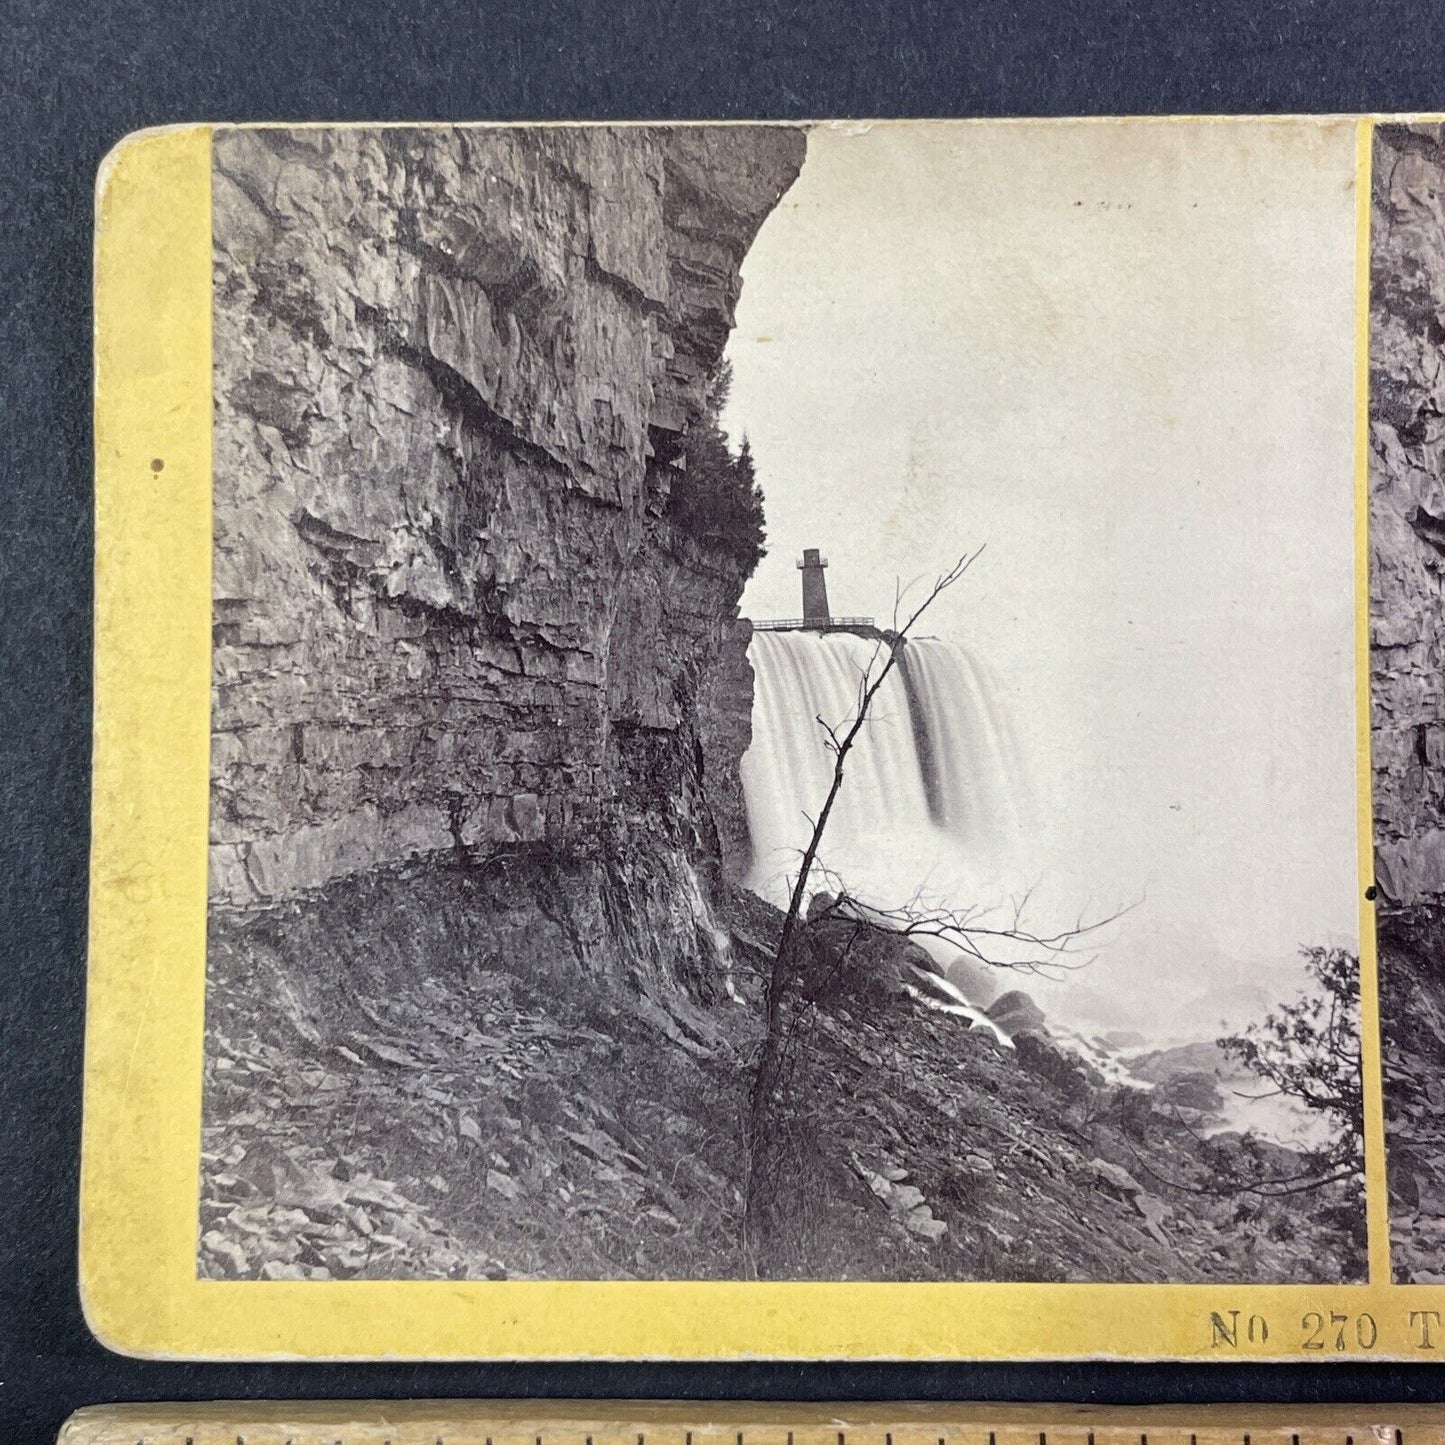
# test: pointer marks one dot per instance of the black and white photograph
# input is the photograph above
(784, 702)
(1407, 563)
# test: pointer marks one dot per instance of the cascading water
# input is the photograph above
(930, 786)
(934, 807)
(801, 678)
(966, 744)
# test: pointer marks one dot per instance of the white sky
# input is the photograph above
(1122, 356)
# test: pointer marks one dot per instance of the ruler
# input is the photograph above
(440, 1422)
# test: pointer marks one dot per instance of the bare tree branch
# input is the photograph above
(1014, 946)
(966, 930)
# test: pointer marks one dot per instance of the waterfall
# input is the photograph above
(801, 677)
(930, 786)
(936, 806)
(965, 740)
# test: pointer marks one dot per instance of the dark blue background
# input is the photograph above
(74, 78)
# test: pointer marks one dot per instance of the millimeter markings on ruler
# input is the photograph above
(353, 1422)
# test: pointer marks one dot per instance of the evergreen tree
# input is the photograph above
(716, 499)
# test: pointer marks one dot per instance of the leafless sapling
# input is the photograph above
(972, 932)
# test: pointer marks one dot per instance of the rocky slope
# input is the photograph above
(478, 1123)
(455, 372)
(1412, 1008)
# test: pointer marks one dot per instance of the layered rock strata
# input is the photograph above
(455, 371)
(1407, 516)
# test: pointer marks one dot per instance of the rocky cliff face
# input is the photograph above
(1407, 514)
(454, 372)
(725, 710)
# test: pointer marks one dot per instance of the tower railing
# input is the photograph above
(808, 624)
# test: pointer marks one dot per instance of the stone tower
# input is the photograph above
(815, 588)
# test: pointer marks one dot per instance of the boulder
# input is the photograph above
(1068, 1074)
(1120, 1039)
(975, 980)
(819, 904)
(1016, 1013)
(857, 959)
(1115, 1178)
(1154, 1212)
(1194, 1090)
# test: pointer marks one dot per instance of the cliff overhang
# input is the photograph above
(455, 374)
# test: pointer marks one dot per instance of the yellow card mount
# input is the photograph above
(491, 956)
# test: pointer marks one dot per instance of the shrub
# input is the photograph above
(1309, 1051)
